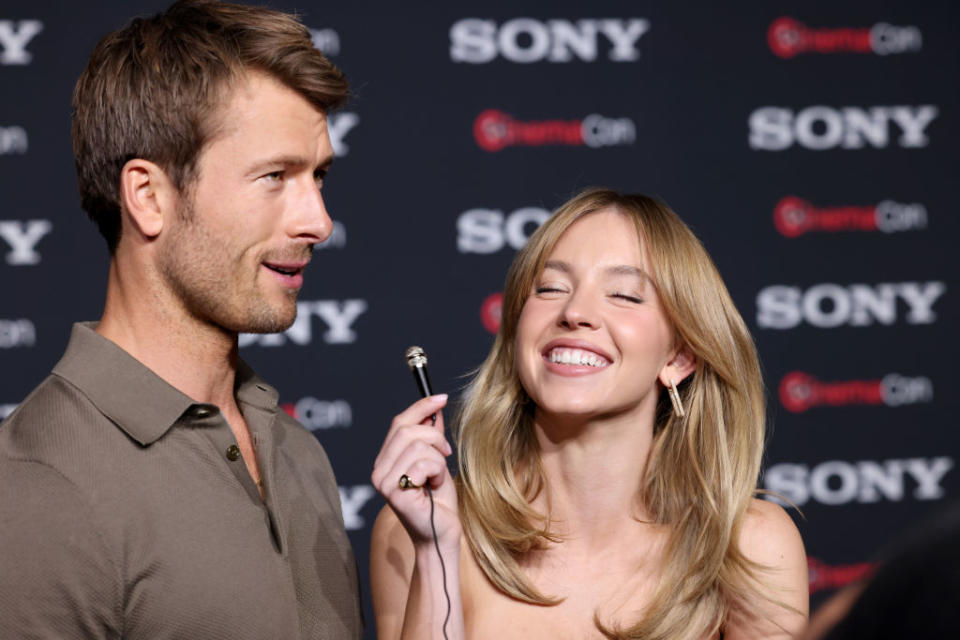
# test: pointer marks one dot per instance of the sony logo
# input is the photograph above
(489, 230)
(338, 316)
(22, 239)
(838, 482)
(337, 239)
(326, 40)
(13, 140)
(17, 333)
(526, 40)
(352, 501)
(820, 127)
(14, 37)
(832, 305)
(338, 126)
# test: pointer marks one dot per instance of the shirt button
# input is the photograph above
(233, 453)
(202, 410)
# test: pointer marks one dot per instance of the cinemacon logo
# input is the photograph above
(319, 415)
(14, 37)
(801, 391)
(527, 40)
(829, 305)
(788, 37)
(823, 576)
(338, 317)
(793, 216)
(820, 127)
(495, 130)
(837, 482)
(491, 312)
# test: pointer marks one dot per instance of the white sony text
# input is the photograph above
(490, 230)
(22, 238)
(338, 316)
(338, 126)
(17, 333)
(352, 501)
(14, 38)
(527, 40)
(829, 305)
(820, 127)
(838, 482)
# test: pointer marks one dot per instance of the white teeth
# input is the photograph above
(577, 357)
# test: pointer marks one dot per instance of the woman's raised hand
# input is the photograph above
(416, 448)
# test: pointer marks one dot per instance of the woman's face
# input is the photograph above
(592, 337)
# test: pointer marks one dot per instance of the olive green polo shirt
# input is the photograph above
(126, 513)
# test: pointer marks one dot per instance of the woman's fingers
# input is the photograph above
(415, 442)
(400, 440)
(415, 447)
(420, 468)
(424, 465)
(419, 412)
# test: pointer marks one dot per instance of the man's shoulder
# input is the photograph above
(50, 419)
(45, 445)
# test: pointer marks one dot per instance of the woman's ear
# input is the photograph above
(147, 197)
(681, 365)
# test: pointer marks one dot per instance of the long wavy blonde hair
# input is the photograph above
(702, 471)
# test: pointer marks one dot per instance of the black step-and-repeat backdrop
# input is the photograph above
(812, 146)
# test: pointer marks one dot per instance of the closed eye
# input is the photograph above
(628, 298)
(319, 175)
(549, 291)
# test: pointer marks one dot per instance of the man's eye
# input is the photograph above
(274, 176)
(319, 175)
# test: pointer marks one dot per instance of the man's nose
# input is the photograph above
(311, 221)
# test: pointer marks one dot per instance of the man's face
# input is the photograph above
(235, 255)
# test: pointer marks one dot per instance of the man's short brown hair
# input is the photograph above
(152, 88)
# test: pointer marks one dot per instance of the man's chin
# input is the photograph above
(269, 320)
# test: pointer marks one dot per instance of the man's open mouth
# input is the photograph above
(287, 270)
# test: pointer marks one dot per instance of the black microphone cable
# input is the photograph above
(417, 361)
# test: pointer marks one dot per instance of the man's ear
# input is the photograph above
(148, 197)
(681, 365)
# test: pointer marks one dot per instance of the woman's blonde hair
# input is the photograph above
(702, 471)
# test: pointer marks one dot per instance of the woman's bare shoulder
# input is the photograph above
(770, 537)
(771, 541)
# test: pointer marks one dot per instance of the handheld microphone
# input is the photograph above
(417, 361)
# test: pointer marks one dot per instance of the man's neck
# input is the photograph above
(197, 358)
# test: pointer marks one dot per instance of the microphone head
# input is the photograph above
(416, 357)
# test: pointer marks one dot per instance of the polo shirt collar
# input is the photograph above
(136, 399)
(250, 389)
